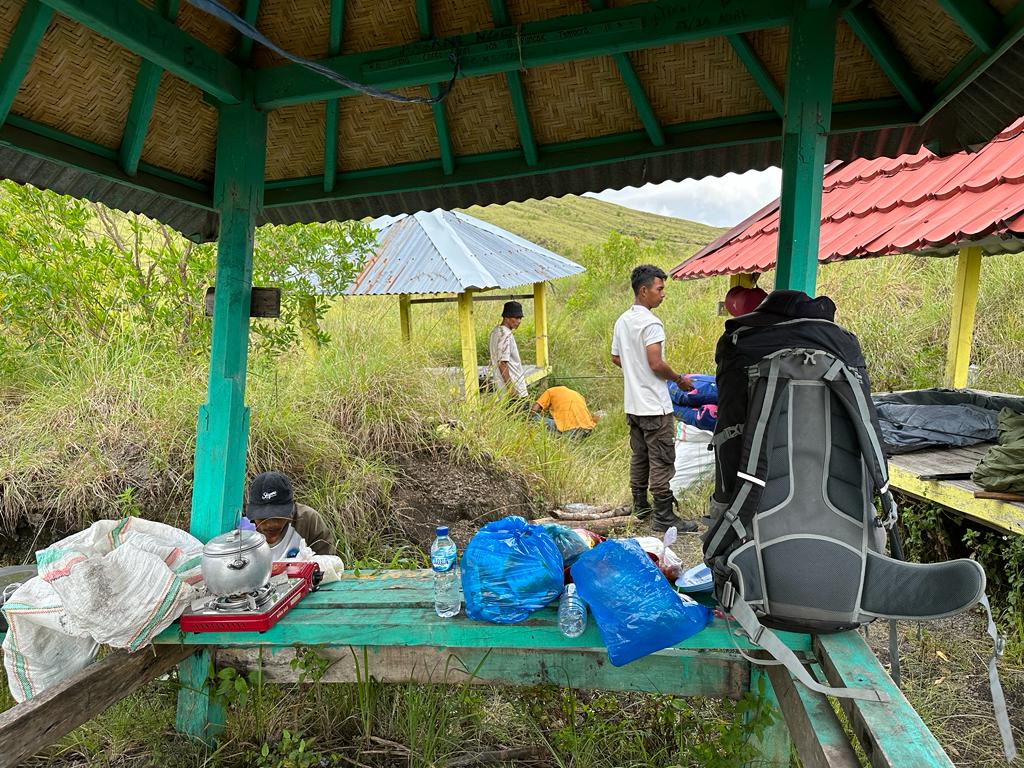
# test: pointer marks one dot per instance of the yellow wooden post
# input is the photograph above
(308, 325)
(540, 322)
(961, 322)
(405, 316)
(744, 280)
(467, 335)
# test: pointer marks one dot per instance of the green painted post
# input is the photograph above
(774, 744)
(222, 435)
(812, 45)
(223, 429)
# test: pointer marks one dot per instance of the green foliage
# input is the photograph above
(732, 742)
(291, 751)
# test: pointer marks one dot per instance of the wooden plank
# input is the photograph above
(198, 715)
(883, 49)
(757, 70)
(467, 338)
(891, 733)
(21, 48)
(263, 302)
(774, 744)
(40, 721)
(1004, 516)
(978, 20)
(476, 297)
(812, 42)
(817, 733)
(540, 322)
(332, 106)
(405, 316)
(679, 673)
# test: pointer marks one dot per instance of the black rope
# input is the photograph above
(218, 11)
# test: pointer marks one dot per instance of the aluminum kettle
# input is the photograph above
(236, 562)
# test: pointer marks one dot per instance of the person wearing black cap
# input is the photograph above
(286, 525)
(506, 367)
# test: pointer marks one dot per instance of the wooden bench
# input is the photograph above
(383, 624)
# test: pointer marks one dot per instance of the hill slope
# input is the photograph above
(568, 224)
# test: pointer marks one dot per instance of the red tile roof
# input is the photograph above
(918, 203)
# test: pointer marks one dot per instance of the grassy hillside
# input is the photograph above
(568, 224)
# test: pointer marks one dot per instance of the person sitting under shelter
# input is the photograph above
(506, 369)
(569, 413)
(287, 526)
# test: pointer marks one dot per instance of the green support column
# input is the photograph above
(222, 435)
(223, 429)
(812, 44)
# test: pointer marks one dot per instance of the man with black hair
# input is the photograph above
(638, 349)
(507, 374)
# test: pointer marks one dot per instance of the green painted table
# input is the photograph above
(382, 623)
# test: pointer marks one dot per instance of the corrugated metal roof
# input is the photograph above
(449, 252)
(918, 203)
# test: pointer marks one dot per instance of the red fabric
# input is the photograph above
(912, 203)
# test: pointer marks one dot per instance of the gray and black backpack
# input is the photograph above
(798, 544)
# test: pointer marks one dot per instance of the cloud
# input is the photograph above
(719, 201)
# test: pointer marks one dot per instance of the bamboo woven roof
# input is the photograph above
(114, 100)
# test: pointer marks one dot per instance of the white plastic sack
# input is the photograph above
(693, 459)
(119, 582)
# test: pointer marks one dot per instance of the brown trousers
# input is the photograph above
(653, 463)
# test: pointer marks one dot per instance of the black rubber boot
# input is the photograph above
(665, 517)
(641, 504)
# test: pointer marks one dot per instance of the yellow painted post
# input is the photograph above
(308, 325)
(405, 316)
(467, 334)
(540, 322)
(745, 280)
(961, 322)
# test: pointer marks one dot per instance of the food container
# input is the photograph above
(236, 562)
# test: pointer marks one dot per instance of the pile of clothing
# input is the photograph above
(696, 412)
(697, 407)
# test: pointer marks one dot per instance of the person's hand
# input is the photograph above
(684, 382)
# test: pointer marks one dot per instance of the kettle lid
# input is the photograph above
(234, 541)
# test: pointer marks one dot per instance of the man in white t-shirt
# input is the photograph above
(506, 368)
(638, 349)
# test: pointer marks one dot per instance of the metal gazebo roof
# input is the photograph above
(117, 100)
(918, 203)
(450, 252)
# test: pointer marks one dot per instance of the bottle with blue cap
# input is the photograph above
(444, 563)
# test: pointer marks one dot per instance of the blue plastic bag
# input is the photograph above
(509, 570)
(635, 609)
(570, 544)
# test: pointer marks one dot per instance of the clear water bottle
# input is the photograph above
(572, 613)
(443, 559)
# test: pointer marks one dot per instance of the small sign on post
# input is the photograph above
(264, 302)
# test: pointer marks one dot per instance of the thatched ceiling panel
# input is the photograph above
(300, 26)
(374, 24)
(578, 100)
(480, 116)
(216, 34)
(182, 134)
(520, 11)
(295, 141)
(928, 38)
(771, 47)
(857, 75)
(459, 17)
(696, 81)
(79, 83)
(9, 13)
(377, 133)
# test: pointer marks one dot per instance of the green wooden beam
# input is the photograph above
(135, 27)
(147, 82)
(331, 107)
(882, 48)
(757, 70)
(812, 44)
(223, 426)
(975, 63)
(534, 44)
(444, 140)
(518, 95)
(28, 32)
(979, 20)
(498, 166)
(250, 11)
(50, 144)
(636, 90)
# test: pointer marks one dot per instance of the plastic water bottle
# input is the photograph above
(572, 613)
(443, 558)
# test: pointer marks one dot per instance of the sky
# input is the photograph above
(719, 201)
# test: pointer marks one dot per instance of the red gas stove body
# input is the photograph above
(258, 612)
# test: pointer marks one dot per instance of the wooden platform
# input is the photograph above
(383, 624)
(905, 473)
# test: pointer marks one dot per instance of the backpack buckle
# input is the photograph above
(728, 597)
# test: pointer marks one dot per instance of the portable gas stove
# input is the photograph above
(254, 611)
